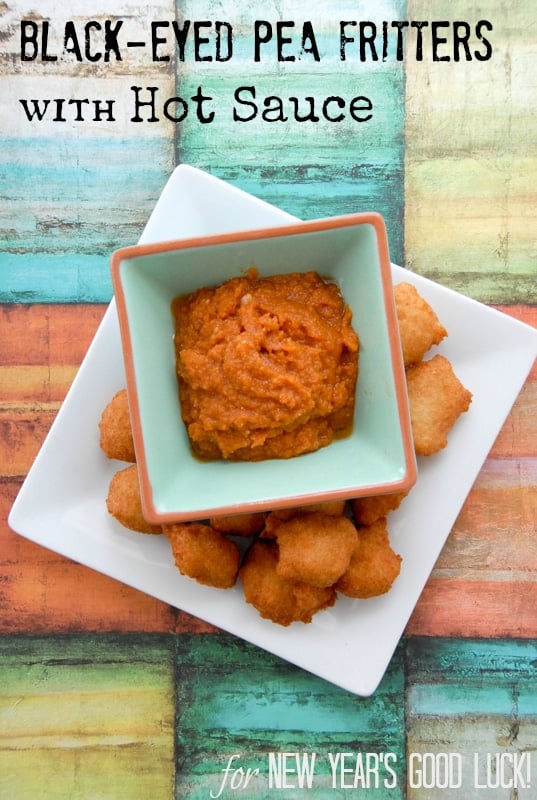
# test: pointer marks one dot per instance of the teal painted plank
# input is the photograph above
(309, 168)
(451, 677)
(336, 191)
(234, 699)
(58, 278)
(68, 202)
(473, 702)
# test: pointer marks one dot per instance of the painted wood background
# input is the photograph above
(108, 693)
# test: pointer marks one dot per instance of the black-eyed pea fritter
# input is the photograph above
(275, 598)
(374, 565)
(315, 548)
(115, 432)
(204, 554)
(437, 399)
(419, 326)
(124, 503)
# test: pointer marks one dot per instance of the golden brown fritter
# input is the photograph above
(274, 597)
(419, 326)
(204, 554)
(333, 508)
(123, 501)
(374, 565)
(239, 524)
(437, 398)
(115, 429)
(315, 548)
(368, 509)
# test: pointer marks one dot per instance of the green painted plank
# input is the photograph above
(236, 701)
(86, 716)
(471, 150)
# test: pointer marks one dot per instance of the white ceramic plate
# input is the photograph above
(61, 504)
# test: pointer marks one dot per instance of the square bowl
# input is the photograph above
(378, 454)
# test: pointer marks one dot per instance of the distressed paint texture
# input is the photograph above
(473, 698)
(310, 169)
(487, 569)
(110, 716)
(77, 184)
(470, 160)
(86, 717)
(106, 692)
(233, 698)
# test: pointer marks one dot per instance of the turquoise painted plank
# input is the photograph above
(234, 699)
(334, 194)
(68, 202)
(453, 700)
(471, 677)
(473, 702)
(309, 168)
(472, 659)
(56, 278)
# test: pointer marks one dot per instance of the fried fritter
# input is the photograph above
(419, 326)
(374, 565)
(315, 548)
(333, 508)
(368, 509)
(115, 429)
(239, 524)
(437, 398)
(123, 501)
(204, 554)
(274, 597)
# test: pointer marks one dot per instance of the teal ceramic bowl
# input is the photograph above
(376, 457)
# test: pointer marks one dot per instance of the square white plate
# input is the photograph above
(61, 504)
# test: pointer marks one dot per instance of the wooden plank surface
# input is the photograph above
(310, 169)
(77, 188)
(486, 577)
(470, 155)
(234, 699)
(107, 692)
(86, 716)
(474, 699)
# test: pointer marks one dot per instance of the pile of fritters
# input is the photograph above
(295, 562)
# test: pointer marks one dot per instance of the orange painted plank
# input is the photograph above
(42, 383)
(518, 436)
(483, 583)
(42, 591)
(58, 595)
(492, 540)
(485, 609)
(22, 432)
(47, 334)
(526, 314)
(495, 532)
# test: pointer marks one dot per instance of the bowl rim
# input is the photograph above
(373, 218)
